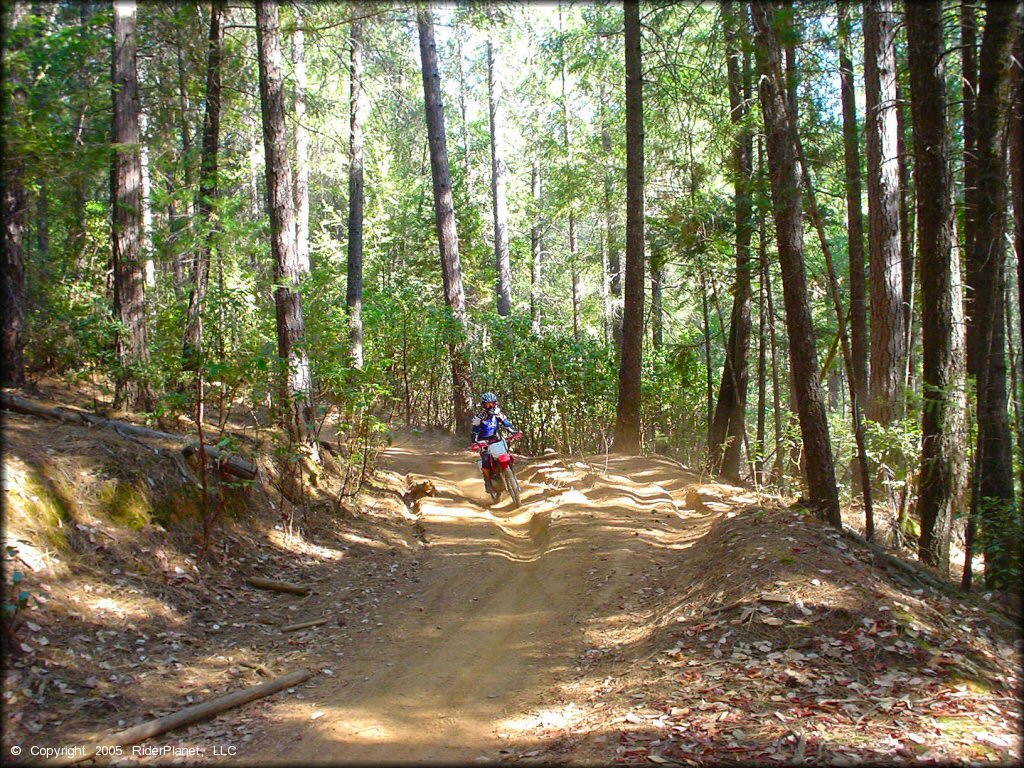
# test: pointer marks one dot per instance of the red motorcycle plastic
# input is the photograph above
(498, 470)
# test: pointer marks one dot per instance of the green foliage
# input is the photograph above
(16, 597)
(560, 388)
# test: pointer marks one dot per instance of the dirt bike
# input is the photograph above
(501, 475)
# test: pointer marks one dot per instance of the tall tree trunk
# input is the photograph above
(657, 282)
(969, 79)
(574, 267)
(780, 128)
(146, 243)
(903, 153)
(254, 176)
(762, 359)
(503, 285)
(466, 167)
(126, 195)
(43, 221)
(297, 392)
(77, 226)
(728, 427)
(447, 235)
(709, 383)
(14, 98)
(536, 246)
(1016, 140)
(886, 263)
(357, 112)
(577, 289)
(184, 120)
(942, 424)
(42, 198)
(301, 144)
(854, 216)
(627, 423)
(762, 239)
(611, 234)
(992, 491)
(208, 191)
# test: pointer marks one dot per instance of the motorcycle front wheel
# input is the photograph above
(512, 484)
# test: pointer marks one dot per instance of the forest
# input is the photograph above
(775, 246)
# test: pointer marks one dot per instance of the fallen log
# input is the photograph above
(228, 462)
(924, 577)
(303, 625)
(277, 586)
(187, 716)
(233, 465)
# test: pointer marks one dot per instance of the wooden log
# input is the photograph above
(925, 577)
(304, 625)
(277, 586)
(27, 407)
(234, 465)
(188, 715)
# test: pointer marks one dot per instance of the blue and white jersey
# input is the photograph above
(486, 423)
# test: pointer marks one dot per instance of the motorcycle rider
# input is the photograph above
(487, 422)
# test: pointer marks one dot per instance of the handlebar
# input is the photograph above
(482, 444)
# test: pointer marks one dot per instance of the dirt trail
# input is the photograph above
(463, 660)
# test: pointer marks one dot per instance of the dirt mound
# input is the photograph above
(775, 638)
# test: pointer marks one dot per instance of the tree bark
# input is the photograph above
(780, 128)
(146, 238)
(1016, 140)
(993, 492)
(577, 288)
(297, 387)
(969, 79)
(301, 144)
(627, 423)
(13, 273)
(184, 118)
(942, 424)
(728, 427)
(503, 285)
(208, 191)
(903, 153)
(466, 167)
(709, 383)
(854, 215)
(126, 195)
(762, 359)
(447, 235)
(357, 119)
(992, 489)
(886, 264)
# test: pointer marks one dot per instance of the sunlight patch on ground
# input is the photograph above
(136, 608)
(301, 546)
(360, 727)
(554, 718)
(36, 559)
